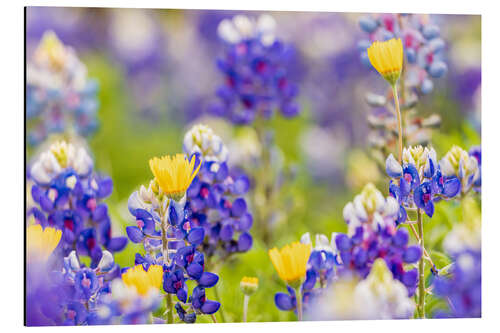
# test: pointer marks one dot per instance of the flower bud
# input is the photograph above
(249, 285)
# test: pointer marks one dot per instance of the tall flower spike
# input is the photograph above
(41, 242)
(387, 58)
(174, 174)
(291, 261)
(143, 281)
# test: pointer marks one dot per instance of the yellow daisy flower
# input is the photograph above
(143, 281)
(41, 242)
(173, 174)
(291, 261)
(387, 58)
(249, 285)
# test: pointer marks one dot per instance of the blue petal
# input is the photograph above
(195, 271)
(245, 242)
(393, 168)
(116, 244)
(182, 294)
(135, 234)
(239, 207)
(283, 301)
(451, 187)
(210, 307)
(400, 239)
(208, 280)
(226, 232)
(310, 281)
(196, 236)
(412, 254)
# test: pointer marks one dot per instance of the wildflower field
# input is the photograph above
(199, 166)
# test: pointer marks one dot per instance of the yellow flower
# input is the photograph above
(143, 281)
(291, 261)
(41, 242)
(387, 58)
(249, 285)
(173, 174)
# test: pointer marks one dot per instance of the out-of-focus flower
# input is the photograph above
(68, 195)
(467, 233)
(61, 155)
(249, 285)
(59, 96)
(291, 261)
(371, 220)
(423, 48)
(201, 139)
(379, 296)
(462, 286)
(458, 163)
(174, 174)
(361, 169)
(41, 242)
(143, 280)
(387, 58)
(254, 66)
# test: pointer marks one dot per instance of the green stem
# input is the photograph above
(400, 128)
(298, 297)
(217, 297)
(245, 307)
(170, 313)
(421, 268)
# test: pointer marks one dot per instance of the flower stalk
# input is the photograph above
(421, 268)
(400, 127)
(246, 299)
(298, 293)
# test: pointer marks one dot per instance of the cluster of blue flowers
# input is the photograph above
(372, 234)
(67, 194)
(68, 295)
(422, 44)
(215, 199)
(254, 67)
(420, 181)
(462, 286)
(181, 261)
(59, 96)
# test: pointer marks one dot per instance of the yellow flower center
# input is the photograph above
(143, 281)
(41, 242)
(173, 174)
(387, 58)
(291, 261)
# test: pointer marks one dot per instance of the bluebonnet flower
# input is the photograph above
(59, 96)
(255, 71)
(68, 194)
(462, 286)
(419, 180)
(458, 163)
(379, 296)
(170, 237)
(69, 295)
(423, 47)
(372, 234)
(215, 199)
(125, 304)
